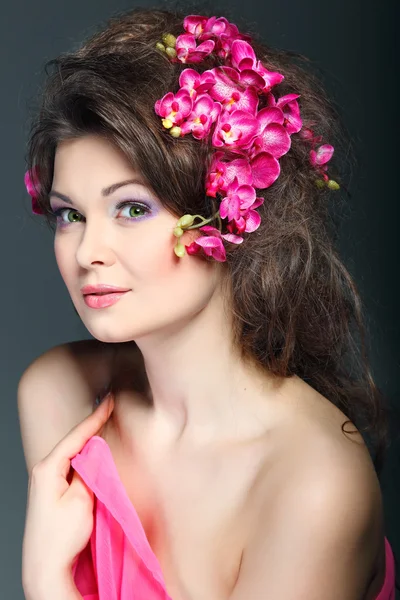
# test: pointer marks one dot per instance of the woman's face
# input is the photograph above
(130, 247)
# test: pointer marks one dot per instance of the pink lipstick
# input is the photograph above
(102, 295)
(103, 300)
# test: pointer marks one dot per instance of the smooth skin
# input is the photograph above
(263, 495)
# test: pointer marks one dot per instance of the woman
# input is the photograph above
(186, 165)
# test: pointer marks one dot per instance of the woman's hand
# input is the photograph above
(59, 516)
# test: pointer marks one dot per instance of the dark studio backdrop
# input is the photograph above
(353, 43)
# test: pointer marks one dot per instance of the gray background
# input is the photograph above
(353, 42)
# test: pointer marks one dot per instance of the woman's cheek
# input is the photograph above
(64, 258)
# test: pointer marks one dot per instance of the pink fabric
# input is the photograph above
(118, 562)
(388, 589)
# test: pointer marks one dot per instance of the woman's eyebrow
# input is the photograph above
(107, 191)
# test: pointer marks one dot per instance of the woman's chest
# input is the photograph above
(196, 512)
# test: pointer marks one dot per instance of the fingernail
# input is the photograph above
(110, 402)
(105, 400)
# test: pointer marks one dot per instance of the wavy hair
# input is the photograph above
(295, 305)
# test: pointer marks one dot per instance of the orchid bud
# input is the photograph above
(175, 131)
(171, 52)
(169, 39)
(160, 46)
(167, 123)
(185, 221)
(333, 185)
(180, 250)
(178, 231)
(320, 183)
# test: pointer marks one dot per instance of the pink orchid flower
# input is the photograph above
(309, 136)
(188, 51)
(260, 172)
(231, 92)
(196, 83)
(291, 111)
(233, 32)
(248, 221)
(243, 58)
(212, 244)
(174, 107)
(32, 180)
(204, 114)
(221, 173)
(240, 169)
(224, 46)
(237, 197)
(194, 24)
(265, 170)
(306, 134)
(321, 157)
(236, 129)
(273, 136)
(215, 179)
(239, 206)
(217, 29)
(217, 26)
(225, 41)
(201, 27)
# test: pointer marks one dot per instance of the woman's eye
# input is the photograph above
(71, 218)
(135, 211)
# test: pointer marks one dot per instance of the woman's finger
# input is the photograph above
(59, 458)
(78, 487)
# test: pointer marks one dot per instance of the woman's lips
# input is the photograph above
(102, 300)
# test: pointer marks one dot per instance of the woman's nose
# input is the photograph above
(94, 246)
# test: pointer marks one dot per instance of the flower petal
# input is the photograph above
(211, 230)
(189, 78)
(194, 24)
(285, 99)
(240, 168)
(250, 77)
(241, 51)
(268, 115)
(225, 80)
(212, 246)
(253, 221)
(231, 237)
(185, 42)
(324, 154)
(265, 170)
(275, 140)
(193, 248)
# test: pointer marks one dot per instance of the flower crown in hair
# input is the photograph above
(221, 105)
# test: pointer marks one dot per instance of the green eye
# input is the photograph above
(74, 213)
(136, 211)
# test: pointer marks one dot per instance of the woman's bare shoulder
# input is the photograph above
(58, 390)
(310, 446)
(313, 438)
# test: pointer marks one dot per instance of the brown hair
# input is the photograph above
(296, 307)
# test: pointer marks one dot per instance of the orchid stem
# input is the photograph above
(204, 221)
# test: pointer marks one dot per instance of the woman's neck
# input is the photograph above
(200, 386)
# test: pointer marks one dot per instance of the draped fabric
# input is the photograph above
(118, 562)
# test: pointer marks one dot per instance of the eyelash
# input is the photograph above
(56, 214)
